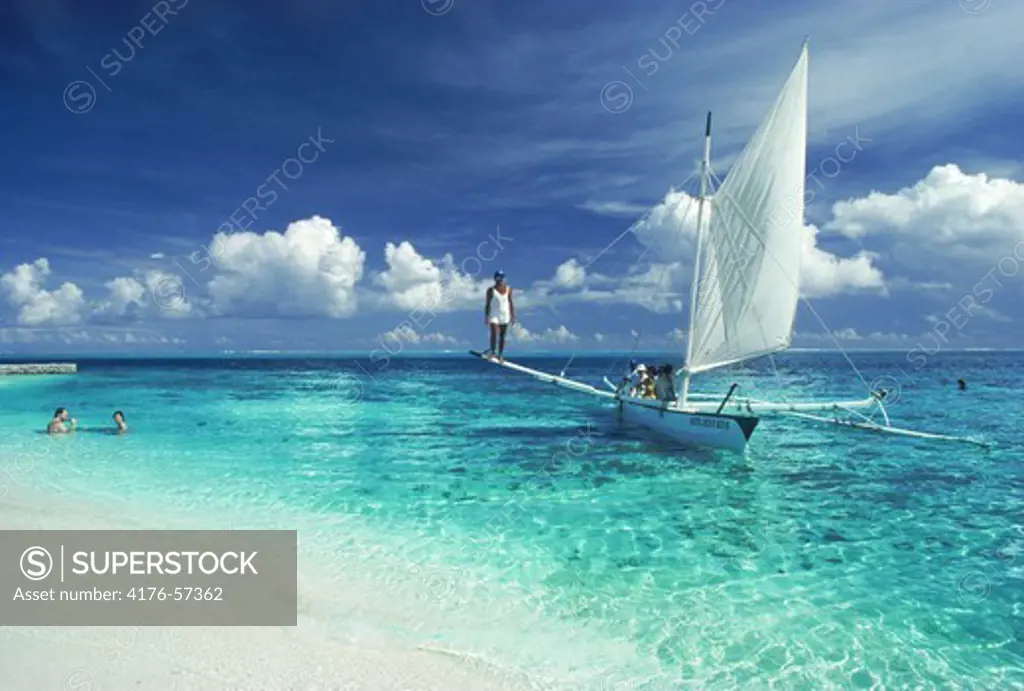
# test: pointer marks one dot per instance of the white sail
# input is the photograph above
(748, 284)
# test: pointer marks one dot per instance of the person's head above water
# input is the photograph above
(118, 416)
(60, 413)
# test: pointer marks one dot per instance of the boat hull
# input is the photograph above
(729, 432)
(699, 426)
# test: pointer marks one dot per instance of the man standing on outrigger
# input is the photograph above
(505, 316)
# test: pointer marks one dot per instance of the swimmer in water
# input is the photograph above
(961, 384)
(122, 426)
(57, 426)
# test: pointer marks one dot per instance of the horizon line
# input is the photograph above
(270, 353)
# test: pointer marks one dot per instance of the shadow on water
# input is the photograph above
(606, 448)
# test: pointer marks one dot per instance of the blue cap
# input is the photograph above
(499, 274)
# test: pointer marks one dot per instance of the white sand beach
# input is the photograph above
(309, 657)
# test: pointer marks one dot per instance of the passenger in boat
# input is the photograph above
(122, 426)
(665, 387)
(648, 388)
(505, 315)
(57, 426)
(636, 379)
(638, 372)
(627, 379)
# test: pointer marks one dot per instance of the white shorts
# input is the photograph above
(497, 321)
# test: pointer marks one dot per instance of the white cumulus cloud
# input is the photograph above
(823, 274)
(670, 228)
(410, 335)
(570, 274)
(412, 281)
(309, 270)
(946, 220)
(125, 294)
(36, 305)
(656, 287)
(560, 335)
(152, 293)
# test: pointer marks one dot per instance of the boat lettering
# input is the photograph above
(709, 422)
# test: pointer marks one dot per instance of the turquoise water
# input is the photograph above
(524, 524)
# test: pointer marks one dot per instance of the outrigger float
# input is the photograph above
(745, 292)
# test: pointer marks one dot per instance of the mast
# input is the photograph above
(705, 164)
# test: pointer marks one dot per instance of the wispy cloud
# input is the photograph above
(614, 208)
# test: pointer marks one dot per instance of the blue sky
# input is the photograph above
(430, 125)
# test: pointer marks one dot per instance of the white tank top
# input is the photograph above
(503, 313)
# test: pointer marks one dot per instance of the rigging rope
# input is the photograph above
(615, 364)
(658, 287)
(600, 254)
